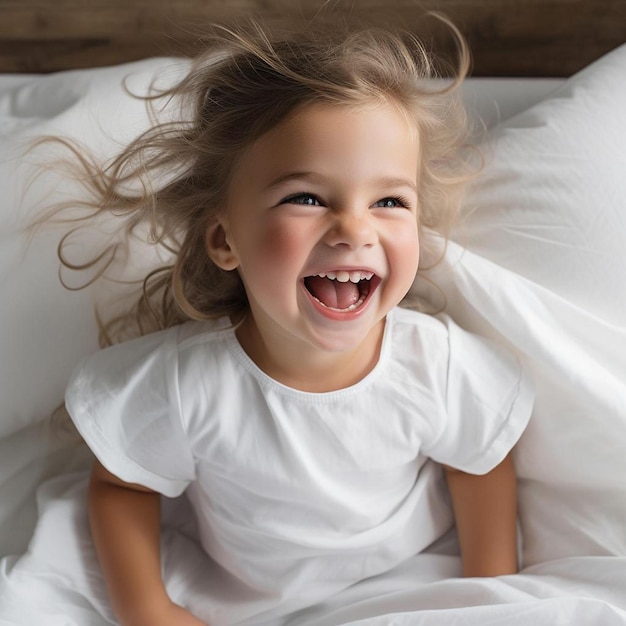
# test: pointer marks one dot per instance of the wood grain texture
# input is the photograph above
(507, 37)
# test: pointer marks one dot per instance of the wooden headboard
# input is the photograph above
(507, 37)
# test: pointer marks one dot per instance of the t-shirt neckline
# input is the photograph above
(268, 382)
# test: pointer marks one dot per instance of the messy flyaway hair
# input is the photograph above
(171, 182)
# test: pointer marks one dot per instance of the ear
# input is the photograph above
(218, 247)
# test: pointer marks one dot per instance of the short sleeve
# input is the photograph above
(124, 402)
(488, 399)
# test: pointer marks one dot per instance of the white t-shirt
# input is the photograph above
(302, 494)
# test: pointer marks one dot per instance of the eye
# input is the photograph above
(305, 199)
(392, 202)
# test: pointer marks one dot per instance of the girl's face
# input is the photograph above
(321, 224)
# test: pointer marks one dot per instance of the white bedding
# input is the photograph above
(538, 263)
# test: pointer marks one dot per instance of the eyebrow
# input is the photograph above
(383, 181)
(392, 181)
(314, 178)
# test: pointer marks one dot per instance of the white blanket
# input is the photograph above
(58, 583)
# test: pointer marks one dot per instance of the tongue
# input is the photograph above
(332, 293)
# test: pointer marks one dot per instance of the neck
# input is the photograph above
(311, 370)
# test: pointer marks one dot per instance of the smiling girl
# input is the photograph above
(302, 413)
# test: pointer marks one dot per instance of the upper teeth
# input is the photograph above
(344, 276)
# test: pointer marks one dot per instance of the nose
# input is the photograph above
(353, 229)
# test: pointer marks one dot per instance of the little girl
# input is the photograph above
(305, 416)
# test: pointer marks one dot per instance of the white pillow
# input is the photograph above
(545, 270)
(552, 203)
(46, 329)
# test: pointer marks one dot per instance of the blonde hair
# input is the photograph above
(245, 82)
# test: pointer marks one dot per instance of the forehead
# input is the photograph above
(357, 141)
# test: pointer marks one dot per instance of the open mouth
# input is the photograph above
(341, 290)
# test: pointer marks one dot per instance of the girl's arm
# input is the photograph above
(125, 524)
(485, 508)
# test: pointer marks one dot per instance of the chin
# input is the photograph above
(340, 338)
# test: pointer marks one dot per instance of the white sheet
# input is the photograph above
(570, 462)
(46, 586)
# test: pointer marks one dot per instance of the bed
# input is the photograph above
(537, 263)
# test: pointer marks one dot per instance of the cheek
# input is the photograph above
(406, 251)
(273, 251)
(288, 241)
(275, 263)
(404, 262)
(283, 243)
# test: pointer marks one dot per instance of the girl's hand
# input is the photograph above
(170, 615)
(178, 616)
